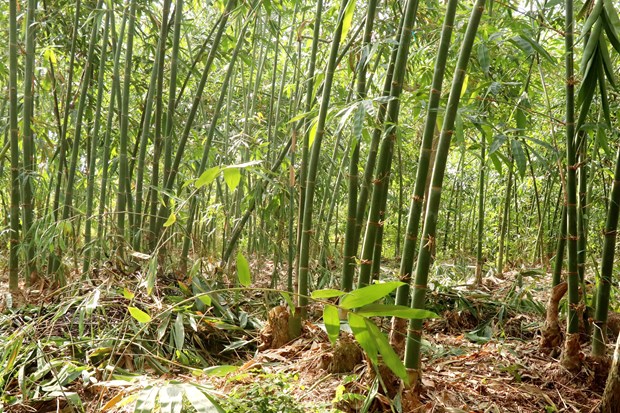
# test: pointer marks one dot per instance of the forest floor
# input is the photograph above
(482, 355)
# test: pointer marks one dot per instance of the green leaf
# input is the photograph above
(151, 276)
(363, 336)
(312, 135)
(139, 315)
(243, 271)
(232, 176)
(539, 49)
(326, 293)
(220, 371)
(288, 299)
(179, 332)
(347, 19)
(200, 401)
(205, 298)
(519, 156)
(390, 358)
(483, 58)
(146, 400)
(171, 399)
(128, 294)
(400, 311)
(208, 177)
(172, 218)
(332, 322)
(368, 294)
(498, 141)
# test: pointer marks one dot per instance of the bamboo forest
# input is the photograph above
(286, 206)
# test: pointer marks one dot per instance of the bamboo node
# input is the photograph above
(364, 261)
(430, 243)
(420, 286)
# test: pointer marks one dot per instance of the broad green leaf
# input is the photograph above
(208, 177)
(244, 164)
(232, 176)
(205, 298)
(172, 218)
(139, 315)
(171, 399)
(163, 327)
(128, 294)
(332, 322)
(483, 57)
(368, 294)
(326, 293)
(522, 44)
(363, 336)
(607, 64)
(390, 358)
(498, 141)
(200, 401)
(347, 19)
(243, 271)
(220, 371)
(288, 299)
(179, 332)
(151, 276)
(401, 311)
(592, 18)
(519, 156)
(465, 83)
(611, 25)
(146, 400)
(539, 49)
(312, 135)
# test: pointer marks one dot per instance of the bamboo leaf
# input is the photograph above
(332, 322)
(519, 156)
(243, 271)
(220, 371)
(401, 311)
(232, 176)
(199, 400)
(498, 141)
(288, 299)
(607, 65)
(363, 336)
(592, 18)
(483, 57)
(139, 315)
(590, 48)
(368, 294)
(390, 358)
(312, 133)
(326, 293)
(179, 332)
(171, 399)
(208, 177)
(146, 400)
(347, 19)
(172, 218)
(538, 48)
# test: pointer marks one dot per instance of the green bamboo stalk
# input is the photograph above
(13, 133)
(607, 267)
(171, 176)
(426, 149)
(570, 355)
(94, 149)
(305, 146)
(350, 247)
(168, 126)
(123, 166)
(503, 230)
(211, 133)
(114, 100)
(376, 215)
(304, 250)
(426, 246)
(28, 142)
(481, 175)
(146, 128)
